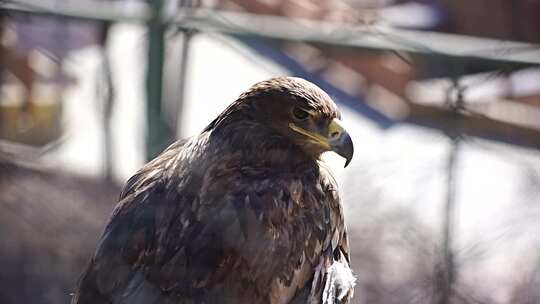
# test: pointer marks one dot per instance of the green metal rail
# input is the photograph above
(372, 37)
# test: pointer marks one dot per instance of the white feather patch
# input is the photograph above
(339, 283)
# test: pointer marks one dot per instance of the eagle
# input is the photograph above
(244, 212)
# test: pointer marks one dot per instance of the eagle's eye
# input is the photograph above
(299, 114)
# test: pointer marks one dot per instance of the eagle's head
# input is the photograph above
(297, 110)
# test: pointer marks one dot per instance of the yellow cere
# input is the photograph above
(317, 138)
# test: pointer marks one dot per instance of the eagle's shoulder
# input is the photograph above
(173, 165)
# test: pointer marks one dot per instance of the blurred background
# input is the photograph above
(441, 97)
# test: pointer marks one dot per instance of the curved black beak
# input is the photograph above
(340, 141)
(343, 146)
(337, 139)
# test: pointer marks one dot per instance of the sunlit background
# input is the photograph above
(441, 97)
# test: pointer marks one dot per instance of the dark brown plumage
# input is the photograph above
(242, 213)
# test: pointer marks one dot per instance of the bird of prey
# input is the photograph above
(244, 212)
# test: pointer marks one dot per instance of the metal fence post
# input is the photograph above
(184, 61)
(158, 133)
(447, 274)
